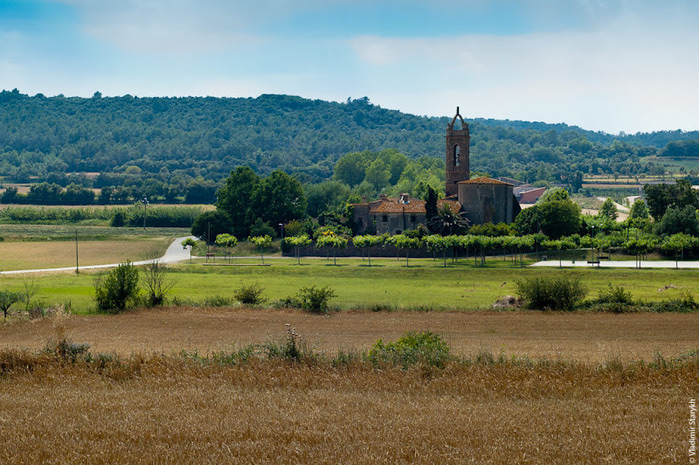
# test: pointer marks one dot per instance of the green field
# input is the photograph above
(54, 232)
(387, 284)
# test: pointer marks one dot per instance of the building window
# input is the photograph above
(457, 155)
(413, 218)
(384, 218)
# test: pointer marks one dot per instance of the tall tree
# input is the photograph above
(608, 210)
(208, 225)
(555, 215)
(662, 196)
(325, 196)
(678, 220)
(279, 198)
(430, 205)
(351, 167)
(236, 198)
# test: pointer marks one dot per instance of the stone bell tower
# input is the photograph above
(458, 141)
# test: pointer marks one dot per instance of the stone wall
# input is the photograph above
(487, 203)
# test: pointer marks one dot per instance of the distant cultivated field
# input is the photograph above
(56, 254)
(59, 232)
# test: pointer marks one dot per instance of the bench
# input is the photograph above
(210, 255)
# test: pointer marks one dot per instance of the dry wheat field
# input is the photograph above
(582, 396)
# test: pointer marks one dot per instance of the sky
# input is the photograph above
(605, 65)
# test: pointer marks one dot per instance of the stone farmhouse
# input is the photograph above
(480, 200)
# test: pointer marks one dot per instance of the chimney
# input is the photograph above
(404, 198)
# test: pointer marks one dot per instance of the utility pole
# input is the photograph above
(281, 243)
(145, 207)
(77, 263)
(208, 238)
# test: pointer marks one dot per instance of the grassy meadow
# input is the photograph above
(388, 284)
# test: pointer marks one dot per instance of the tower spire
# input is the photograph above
(457, 154)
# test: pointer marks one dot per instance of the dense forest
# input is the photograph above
(183, 148)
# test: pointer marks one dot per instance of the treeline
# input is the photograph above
(179, 149)
(132, 216)
(479, 247)
(198, 191)
(681, 149)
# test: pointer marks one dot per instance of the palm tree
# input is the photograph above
(448, 222)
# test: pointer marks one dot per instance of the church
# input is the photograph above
(480, 200)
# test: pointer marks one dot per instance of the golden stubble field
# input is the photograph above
(589, 403)
(55, 254)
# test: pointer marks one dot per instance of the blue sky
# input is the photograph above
(609, 65)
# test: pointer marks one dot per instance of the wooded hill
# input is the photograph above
(175, 140)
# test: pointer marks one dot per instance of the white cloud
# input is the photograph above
(633, 74)
(170, 26)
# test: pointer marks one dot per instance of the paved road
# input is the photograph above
(618, 264)
(174, 253)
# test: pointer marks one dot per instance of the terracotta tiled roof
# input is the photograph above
(532, 195)
(395, 206)
(484, 180)
(414, 205)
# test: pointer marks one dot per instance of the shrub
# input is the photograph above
(287, 302)
(553, 293)
(250, 295)
(119, 290)
(685, 304)
(314, 299)
(68, 350)
(614, 295)
(614, 299)
(7, 299)
(118, 220)
(218, 301)
(292, 348)
(411, 348)
(156, 283)
(376, 307)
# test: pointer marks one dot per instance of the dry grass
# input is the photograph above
(168, 410)
(583, 337)
(55, 254)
